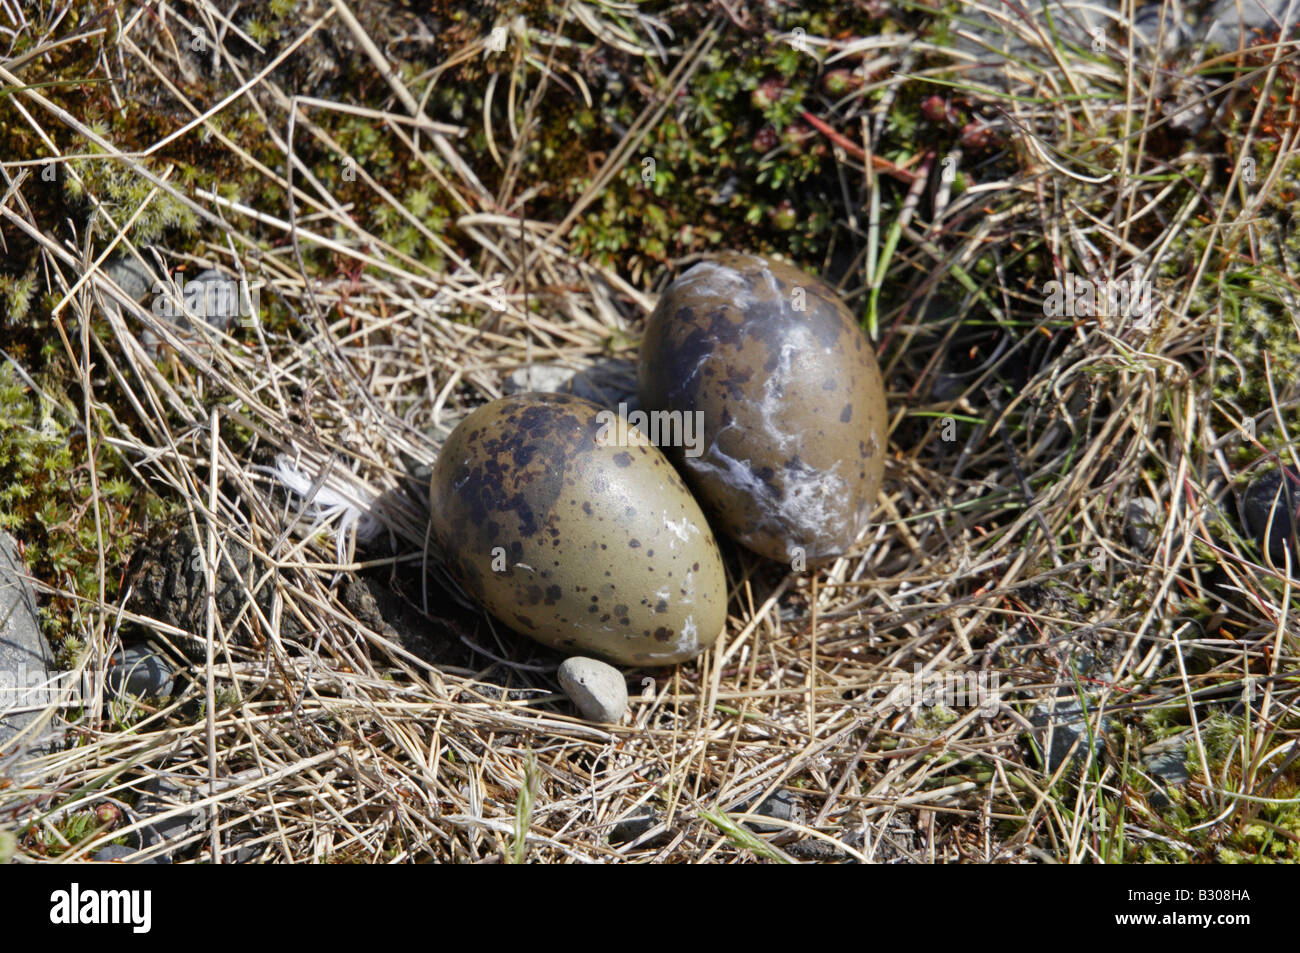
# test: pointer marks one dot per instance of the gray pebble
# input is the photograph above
(1146, 28)
(220, 300)
(1060, 723)
(137, 670)
(608, 382)
(25, 659)
(1244, 22)
(597, 688)
(132, 277)
(630, 828)
(1269, 515)
(1141, 523)
(1170, 766)
(1075, 22)
(780, 806)
(162, 795)
(124, 854)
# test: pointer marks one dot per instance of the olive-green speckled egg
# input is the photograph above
(577, 532)
(791, 403)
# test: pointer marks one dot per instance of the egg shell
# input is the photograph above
(576, 531)
(791, 402)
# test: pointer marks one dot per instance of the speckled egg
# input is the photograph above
(791, 406)
(571, 527)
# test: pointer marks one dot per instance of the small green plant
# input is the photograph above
(121, 191)
(47, 499)
(524, 811)
(743, 838)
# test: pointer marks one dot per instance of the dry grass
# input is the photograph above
(998, 551)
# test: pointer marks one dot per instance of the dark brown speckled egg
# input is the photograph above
(577, 532)
(790, 400)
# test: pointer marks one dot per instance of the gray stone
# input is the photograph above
(1177, 33)
(780, 806)
(1059, 724)
(138, 670)
(630, 828)
(1236, 23)
(1270, 514)
(994, 42)
(132, 277)
(597, 688)
(1170, 766)
(220, 303)
(120, 853)
(162, 795)
(212, 296)
(610, 383)
(1141, 523)
(26, 664)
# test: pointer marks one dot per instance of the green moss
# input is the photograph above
(47, 499)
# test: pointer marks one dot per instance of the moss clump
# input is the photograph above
(47, 499)
(1262, 830)
(120, 191)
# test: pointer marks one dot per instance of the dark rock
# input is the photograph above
(162, 795)
(1268, 510)
(169, 586)
(630, 828)
(138, 670)
(1141, 523)
(781, 806)
(132, 277)
(627, 830)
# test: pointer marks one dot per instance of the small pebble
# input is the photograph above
(1059, 727)
(1141, 523)
(220, 302)
(132, 277)
(123, 854)
(780, 806)
(136, 670)
(597, 688)
(1268, 513)
(630, 828)
(1170, 766)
